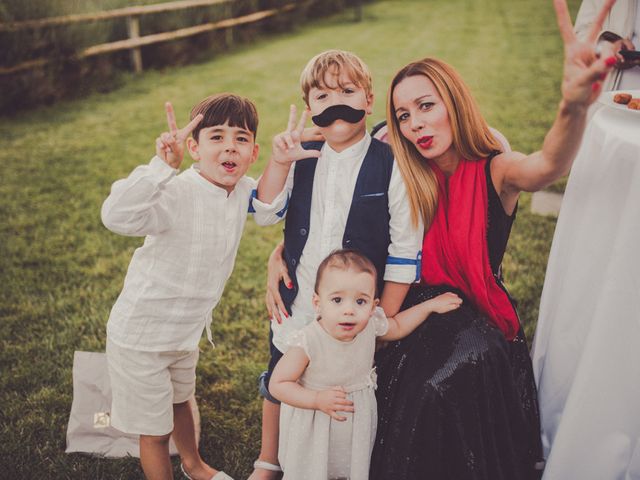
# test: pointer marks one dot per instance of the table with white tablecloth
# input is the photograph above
(586, 352)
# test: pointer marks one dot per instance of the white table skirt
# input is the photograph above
(586, 352)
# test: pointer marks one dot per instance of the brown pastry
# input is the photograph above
(634, 104)
(622, 98)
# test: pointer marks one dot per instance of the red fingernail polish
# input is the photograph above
(286, 314)
(611, 61)
(290, 285)
(595, 86)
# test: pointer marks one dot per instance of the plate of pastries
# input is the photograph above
(628, 100)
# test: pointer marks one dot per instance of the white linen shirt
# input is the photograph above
(333, 187)
(177, 276)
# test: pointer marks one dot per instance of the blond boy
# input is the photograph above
(347, 193)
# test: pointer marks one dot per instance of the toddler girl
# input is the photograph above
(326, 378)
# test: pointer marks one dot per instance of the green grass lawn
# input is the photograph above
(61, 270)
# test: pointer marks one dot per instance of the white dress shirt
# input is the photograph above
(333, 187)
(177, 276)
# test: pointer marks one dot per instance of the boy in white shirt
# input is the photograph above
(192, 222)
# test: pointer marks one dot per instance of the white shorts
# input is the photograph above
(145, 385)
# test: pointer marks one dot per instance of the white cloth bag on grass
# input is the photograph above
(89, 429)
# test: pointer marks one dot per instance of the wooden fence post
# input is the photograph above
(358, 10)
(135, 42)
(228, 33)
(133, 29)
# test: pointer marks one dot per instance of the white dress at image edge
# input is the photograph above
(586, 351)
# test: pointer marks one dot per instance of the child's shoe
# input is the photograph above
(218, 476)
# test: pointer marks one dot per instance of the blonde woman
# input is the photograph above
(456, 398)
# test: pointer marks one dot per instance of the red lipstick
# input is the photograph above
(425, 142)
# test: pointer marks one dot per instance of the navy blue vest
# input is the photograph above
(367, 228)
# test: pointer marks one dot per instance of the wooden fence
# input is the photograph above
(135, 41)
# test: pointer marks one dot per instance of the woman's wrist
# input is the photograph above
(569, 108)
(428, 308)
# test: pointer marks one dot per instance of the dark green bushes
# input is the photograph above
(66, 76)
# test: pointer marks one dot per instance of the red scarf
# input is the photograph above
(455, 250)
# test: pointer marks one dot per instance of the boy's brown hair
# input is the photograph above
(334, 62)
(226, 108)
(346, 259)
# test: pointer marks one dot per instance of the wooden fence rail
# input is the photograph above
(107, 15)
(135, 41)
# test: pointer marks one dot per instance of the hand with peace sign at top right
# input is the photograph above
(287, 146)
(584, 66)
(170, 145)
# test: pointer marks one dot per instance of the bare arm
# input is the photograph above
(272, 180)
(276, 272)
(408, 320)
(584, 71)
(284, 381)
(534, 172)
(392, 297)
(285, 387)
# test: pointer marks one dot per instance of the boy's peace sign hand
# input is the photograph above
(170, 145)
(584, 65)
(287, 146)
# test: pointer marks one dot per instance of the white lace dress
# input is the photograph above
(313, 446)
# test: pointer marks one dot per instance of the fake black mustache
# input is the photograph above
(338, 112)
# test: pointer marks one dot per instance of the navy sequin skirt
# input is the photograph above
(456, 401)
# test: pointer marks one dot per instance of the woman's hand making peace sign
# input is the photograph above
(584, 67)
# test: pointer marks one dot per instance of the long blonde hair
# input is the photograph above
(472, 138)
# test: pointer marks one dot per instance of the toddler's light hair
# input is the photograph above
(346, 259)
(334, 62)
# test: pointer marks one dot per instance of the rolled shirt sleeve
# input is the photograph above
(405, 251)
(274, 212)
